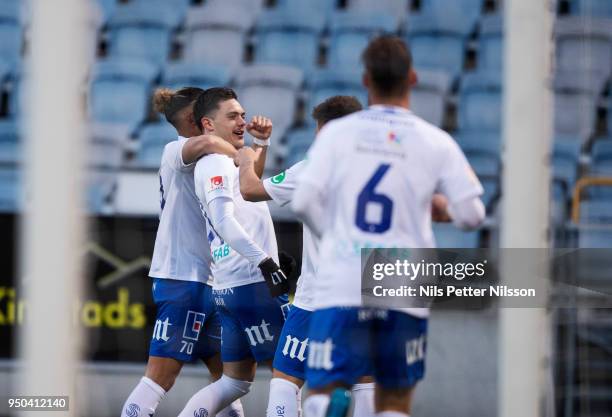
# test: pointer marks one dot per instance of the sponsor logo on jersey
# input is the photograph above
(202, 412)
(217, 183)
(394, 138)
(193, 325)
(160, 331)
(259, 335)
(294, 348)
(320, 355)
(277, 179)
(132, 410)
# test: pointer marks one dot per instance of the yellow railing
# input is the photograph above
(580, 185)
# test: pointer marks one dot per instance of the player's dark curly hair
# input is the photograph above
(170, 103)
(388, 62)
(334, 108)
(208, 102)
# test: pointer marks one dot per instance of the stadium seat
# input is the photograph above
(576, 104)
(10, 149)
(270, 90)
(120, 92)
(288, 38)
(480, 97)
(594, 236)
(107, 145)
(449, 236)
(182, 74)
(584, 45)
(17, 92)
(594, 8)
(298, 143)
(152, 139)
(438, 39)
(597, 211)
(325, 7)
(252, 7)
(601, 157)
(350, 33)
(466, 10)
(11, 32)
(566, 154)
(428, 96)
(101, 185)
(10, 189)
(479, 142)
(142, 30)
(213, 25)
(326, 83)
(133, 195)
(491, 42)
(397, 8)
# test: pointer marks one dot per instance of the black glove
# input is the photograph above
(287, 263)
(277, 281)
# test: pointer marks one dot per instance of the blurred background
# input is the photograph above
(283, 57)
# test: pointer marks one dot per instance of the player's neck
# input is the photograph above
(403, 102)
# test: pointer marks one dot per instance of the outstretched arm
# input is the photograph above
(198, 146)
(260, 128)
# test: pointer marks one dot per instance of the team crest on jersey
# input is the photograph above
(277, 179)
(394, 138)
(218, 182)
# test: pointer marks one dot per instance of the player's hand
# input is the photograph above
(439, 209)
(246, 155)
(260, 127)
(277, 281)
(287, 263)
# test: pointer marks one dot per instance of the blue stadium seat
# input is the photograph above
(327, 83)
(325, 7)
(438, 39)
(584, 45)
(479, 142)
(480, 100)
(100, 187)
(397, 8)
(183, 74)
(592, 236)
(428, 96)
(594, 8)
(597, 211)
(18, 92)
(449, 236)
(350, 33)
(601, 157)
(11, 32)
(107, 8)
(298, 143)
(143, 30)
(288, 38)
(10, 189)
(153, 138)
(566, 154)
(213, 25)
(120, 92)
(272, 91)
(107, 145)
(467, 11)
(576, 104)
(491, 42)
(252, 8)
(10, 149)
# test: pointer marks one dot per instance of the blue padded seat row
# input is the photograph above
(449, 236)
(10, 189)
(195, 74)
(153, 138)
(10, 144)
(216, 33)
(332, 82)
(120, 91)
(479, 142)
(438, 38)
(298, 143)
(491, 42)
(428, 96)
(100, 187)
(598, 211)
(576, 97)
(594, 8)
(584, 45)
(143, 30)
(467, 11)
(480, 101)
(11, 31)
(350, 33)
(288, 38)
(107, 145)
(601, 157)
(591, 236)
(326, 7)
(397, 8)
(565, 159)
(107, 8)
(251, 8)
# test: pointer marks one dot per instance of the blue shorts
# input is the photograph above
(187, 326)
(252, 321)
(346, 343)
(292, 349)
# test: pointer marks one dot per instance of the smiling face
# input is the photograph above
(227, 122)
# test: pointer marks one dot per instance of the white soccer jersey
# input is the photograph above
(181, 248)
(378, 170)
(216, 176)
(281, 188)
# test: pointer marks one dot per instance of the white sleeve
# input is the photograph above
(216, 175)
(175, 156)
(467, 214)
(281, 187)
(310, 197)
(457, 178)
(226, 225)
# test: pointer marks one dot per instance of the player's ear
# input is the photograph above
(207, 124)
(412, 77)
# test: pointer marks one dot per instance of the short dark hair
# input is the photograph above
(334, 108)
(209, 100)
(388, 62)
(171, 102)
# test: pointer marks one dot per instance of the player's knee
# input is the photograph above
(163, 371)
(235, 388)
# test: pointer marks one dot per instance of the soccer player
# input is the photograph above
(245, 260)
(292, 350)
(369, 181)
(187, 326)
